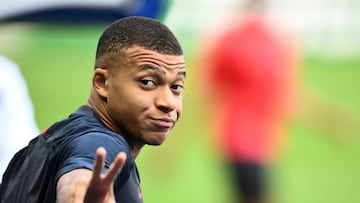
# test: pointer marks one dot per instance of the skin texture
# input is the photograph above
(141, 99)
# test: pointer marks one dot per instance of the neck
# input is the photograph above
(98, 104)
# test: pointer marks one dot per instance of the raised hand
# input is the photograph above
(100, 188)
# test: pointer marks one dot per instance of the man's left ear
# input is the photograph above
(100, 81)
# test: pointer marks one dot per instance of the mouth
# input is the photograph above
(163, 123)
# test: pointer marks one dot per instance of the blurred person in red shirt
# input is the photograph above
(251, 80)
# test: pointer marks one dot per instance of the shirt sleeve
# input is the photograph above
(80, 152)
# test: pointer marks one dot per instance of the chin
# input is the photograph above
(154, 144)
(157, 140)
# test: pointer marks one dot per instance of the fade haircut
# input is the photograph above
(137, 31)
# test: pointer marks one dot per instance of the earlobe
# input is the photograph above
(100, 82)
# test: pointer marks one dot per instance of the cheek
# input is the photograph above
(127, 104)
(124, 111)
(132, 103)
(119, 101)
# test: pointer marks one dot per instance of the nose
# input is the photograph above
(166, 100)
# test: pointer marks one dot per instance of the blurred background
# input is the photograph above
(54, 45)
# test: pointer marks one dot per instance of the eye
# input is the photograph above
(177, 88)
(148, 83)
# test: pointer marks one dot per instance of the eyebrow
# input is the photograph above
(157, 69)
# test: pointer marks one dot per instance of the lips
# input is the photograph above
(163, 123)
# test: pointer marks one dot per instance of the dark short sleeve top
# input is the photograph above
(76, 143)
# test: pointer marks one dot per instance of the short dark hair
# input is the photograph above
(131, 31)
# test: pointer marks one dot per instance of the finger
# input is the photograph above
(99, 161)
(116, 167)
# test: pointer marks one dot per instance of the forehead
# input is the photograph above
(141, 56)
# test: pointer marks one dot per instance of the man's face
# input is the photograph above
(145, 95)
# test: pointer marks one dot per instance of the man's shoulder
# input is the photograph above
(83, 126)
(79, 122)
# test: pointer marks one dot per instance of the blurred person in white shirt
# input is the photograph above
(17, 122)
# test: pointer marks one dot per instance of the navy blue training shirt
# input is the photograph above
(76, 143)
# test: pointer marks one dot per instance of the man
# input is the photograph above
(136, 99)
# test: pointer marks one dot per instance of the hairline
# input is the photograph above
(123, 56)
